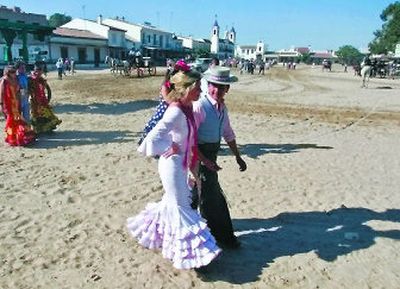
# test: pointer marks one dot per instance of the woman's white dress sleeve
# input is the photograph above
(159, 139)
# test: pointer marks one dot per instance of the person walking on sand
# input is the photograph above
(213, 123)
(18, 132)
(171, 224)
(23, 91)
(43, 117)
(60, 68)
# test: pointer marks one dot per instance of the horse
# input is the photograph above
(357, 69)
(116, 65)
(365, 74)
(112, 63)
(326, 64)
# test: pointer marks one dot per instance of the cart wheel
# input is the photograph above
(152, 70)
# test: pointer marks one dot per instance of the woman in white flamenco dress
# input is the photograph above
(171, 224)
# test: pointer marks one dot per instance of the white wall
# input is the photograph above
(55, 51)
(133, 31)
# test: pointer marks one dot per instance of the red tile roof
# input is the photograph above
(322, 55)
(77, 33)
(302, 50)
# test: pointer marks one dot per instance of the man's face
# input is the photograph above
(217, 91)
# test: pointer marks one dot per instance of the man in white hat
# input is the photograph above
(213, 124)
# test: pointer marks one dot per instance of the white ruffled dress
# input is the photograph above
(171, 224)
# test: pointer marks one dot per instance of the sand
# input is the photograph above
(318, 207)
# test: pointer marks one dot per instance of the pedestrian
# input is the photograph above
(171, 224)
(43, 117)
(60, 67)
(23, 91)
(18, 132)
(213, 124)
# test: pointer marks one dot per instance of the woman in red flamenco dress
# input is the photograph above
(18, 132)
(43, 118)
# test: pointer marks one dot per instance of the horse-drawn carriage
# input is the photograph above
(136, 63)
(142, 65)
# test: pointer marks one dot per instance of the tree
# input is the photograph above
(387, 38)
(349, 55)
(305, 57)
(201, 52)
(58, 19)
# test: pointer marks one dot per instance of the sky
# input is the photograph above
(280, 24)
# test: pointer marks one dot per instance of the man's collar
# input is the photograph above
(212, 100)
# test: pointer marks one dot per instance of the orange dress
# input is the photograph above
(18, 132)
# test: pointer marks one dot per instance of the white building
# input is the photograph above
(151, 40)
(195, 44)
(223, 48)
(115, 36)
(250, 51)
(82, 45)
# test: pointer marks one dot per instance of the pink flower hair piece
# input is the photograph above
(181, 65)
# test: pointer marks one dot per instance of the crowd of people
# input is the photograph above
(64, 66)
(191, 224)
(25, 103)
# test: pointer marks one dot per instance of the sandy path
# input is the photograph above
(317, 208)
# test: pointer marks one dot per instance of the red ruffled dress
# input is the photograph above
(18, 132)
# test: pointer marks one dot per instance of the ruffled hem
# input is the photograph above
(185, 240)
(18, 133)
(45, 121)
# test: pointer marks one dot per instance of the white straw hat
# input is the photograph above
(220, 75)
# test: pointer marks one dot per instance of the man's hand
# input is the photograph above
(241, 163)
(212, 166)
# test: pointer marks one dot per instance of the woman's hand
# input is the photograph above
(173, 150)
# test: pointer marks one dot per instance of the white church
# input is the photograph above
(223, 48)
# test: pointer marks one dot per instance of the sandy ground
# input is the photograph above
(318, 207)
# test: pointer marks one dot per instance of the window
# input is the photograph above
(154, 39)
(161, 40)
(148, 38)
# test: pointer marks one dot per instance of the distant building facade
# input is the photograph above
(152, 41)
(31, 28)
(249, 52)
(115, 36)
(83, 46)
(195, 45)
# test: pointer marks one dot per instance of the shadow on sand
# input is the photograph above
(256, 150)
(328, 234)
(76, 138)
(114, 108)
